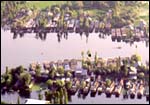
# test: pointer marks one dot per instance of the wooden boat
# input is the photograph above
(87, 87)
(132, 91)
(100, 90)
(75, 87)
(117, 90)
(109, 90)
(93, 88)
(140, 92)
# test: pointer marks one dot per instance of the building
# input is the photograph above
(132, 73)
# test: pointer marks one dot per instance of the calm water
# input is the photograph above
(29, 49)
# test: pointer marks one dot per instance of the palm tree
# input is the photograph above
(61, 95)
(65, 96)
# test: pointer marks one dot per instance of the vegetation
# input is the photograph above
(108, 82)
(18, 100)
(2, 102)
(36, 87)
(40, 96)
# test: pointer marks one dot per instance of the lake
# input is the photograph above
(22, 51)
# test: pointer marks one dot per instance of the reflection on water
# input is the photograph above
(98, 99)
(65, 36)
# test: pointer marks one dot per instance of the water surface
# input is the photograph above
(22, 51)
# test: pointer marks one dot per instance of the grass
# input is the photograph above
(36, 87)
(44, 4)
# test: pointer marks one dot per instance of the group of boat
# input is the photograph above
(84, 83)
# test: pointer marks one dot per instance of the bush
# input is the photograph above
(68, 84)
(60, 70)
(108, 82)
(141, 75)
(2, 102)
(26, 77)
(49, 82)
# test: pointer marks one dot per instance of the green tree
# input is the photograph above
(77, 4)
(26, 77)
(9, 79)
(40, 96)
(18, 100)
(108, 82)
(68, 84)
(141, 75)
(49, 82)
(60, 70)
(65, 96)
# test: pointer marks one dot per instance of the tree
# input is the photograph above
(136, 57)
(69, 74)
(20, 69)
(38, 70)
(9, 79)
(26, 77)
(49, 82)
(141, 75)
(77, 4)
(108, 82)
(52, 74)
(60, 70)
(125, 70)
(40, 96)
(65, 96)
(18, 100)
(68, 84)
(69, 3)
(61, 95)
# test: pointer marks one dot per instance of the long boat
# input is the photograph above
(109, 90)
(140, 91)
(93, 88)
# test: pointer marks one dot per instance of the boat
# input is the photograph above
(93, 88)
(100, 90)
(140, 92)
(117, 90)
(109, 90)
(87, 87)
(132, 91)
